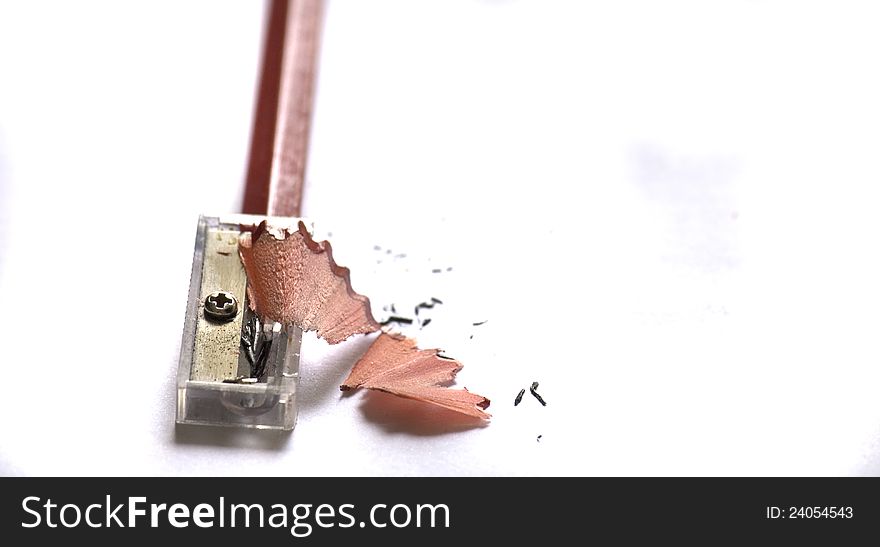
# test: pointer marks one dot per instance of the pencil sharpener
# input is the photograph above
(234, 370)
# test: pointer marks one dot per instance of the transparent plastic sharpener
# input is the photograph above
(234, 370)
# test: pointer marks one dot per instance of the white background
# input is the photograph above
(666, 211)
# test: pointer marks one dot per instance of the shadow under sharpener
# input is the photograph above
(233, 370)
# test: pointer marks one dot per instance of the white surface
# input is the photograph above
(666, 211)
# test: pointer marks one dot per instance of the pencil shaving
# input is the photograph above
(395, 365)
(293, 279)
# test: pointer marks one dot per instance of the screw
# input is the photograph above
(221, 306)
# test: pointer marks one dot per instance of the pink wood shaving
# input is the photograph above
(395, 365)
(293, 279)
